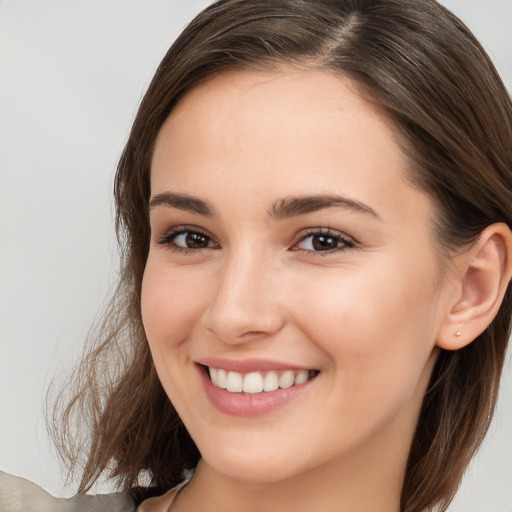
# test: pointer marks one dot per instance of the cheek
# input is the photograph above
(378, 326)
(365, 305)
(171, 303)
(171, 307)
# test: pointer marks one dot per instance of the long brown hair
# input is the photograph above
(453, 115)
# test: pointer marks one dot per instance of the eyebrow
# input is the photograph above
(294, 206)
(282, 209)
(182, 202)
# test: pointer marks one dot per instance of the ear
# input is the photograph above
(483, 273)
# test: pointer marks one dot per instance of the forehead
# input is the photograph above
(277, 134)
(313, 97)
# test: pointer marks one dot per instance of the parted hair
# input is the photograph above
(452, 114)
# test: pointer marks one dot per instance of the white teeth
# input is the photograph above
(256, 382)
(301, 377)
(286, 380)
(234, 382)
(253, 383)
(222, 378)
(270, 382)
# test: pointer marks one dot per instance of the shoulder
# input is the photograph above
(161, 503)
(20, 495)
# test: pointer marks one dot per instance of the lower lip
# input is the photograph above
(247, 404)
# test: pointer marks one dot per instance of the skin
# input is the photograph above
(366, 314)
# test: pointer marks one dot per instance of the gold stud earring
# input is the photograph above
(458, 333)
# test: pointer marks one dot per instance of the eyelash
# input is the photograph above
(170, 236)
(343, 242)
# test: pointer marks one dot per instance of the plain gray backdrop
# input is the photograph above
(72, 73)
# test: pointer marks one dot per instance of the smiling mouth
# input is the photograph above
(258, 382)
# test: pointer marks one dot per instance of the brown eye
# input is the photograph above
(193, 240)
(324, 241)
(187, 239)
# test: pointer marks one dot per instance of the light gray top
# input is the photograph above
(20, 495)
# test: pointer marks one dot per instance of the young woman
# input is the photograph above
(315, 205)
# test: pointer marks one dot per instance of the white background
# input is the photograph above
(72, 73)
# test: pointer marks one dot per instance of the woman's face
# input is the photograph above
(288, 246)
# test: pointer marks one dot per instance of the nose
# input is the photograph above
(245, 304)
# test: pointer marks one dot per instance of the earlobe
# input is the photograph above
(484, 272)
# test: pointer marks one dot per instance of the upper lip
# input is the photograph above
(248, 365)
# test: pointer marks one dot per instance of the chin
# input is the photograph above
(251, 472)
(253, 465)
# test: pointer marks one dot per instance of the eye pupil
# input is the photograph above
(196, 241)
(324, 242)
